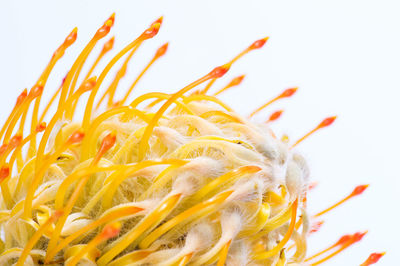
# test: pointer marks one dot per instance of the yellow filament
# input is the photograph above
(89, 140)
(131, 258)
(53, 98)
(220, 113)
(275, 250)
(200, 209)
(201, 97)
(223, 254)
(159, 213)
(115, 59)
(87, 248)
(120, 74)
(159, 96)
(110, 216)
(185, 260)
(34, 239)
(118, 179)
(144, 145)
(137, 80)
(161, 179)
(230, 177)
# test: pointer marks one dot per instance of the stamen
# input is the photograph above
(52, 100)
(357, 191)
(255, 45)
(373, 258)
(157, 215)
(36, 236)
(111, 216)
(76, 137)
(185, 260)
(68, 89)
(224, 253)
(109, 231)
(147, 34)
(285, 239)
(160, 52)
(326, 122)
(200, 209)
(353, 239)
(101, 33)
(234, 82)
(274, 116)
(113, 86)
(285, 94)
(316, 226)
(106, 48)
(70, 105)
(107, 143)
(231, 176)
(143, 145)
(20, 99)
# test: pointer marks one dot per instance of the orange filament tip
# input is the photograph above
(373, 258)
(41, 127)
(159, 21)
(108, 142)
(36, 91)
(108, 45)
(4, 172)
(258, 44)
(162, 50)
(358, 236)
(359, 190)
(71, 38)
(88, 84)
(57, 214)
(344, 239)
(327, 121)
(312, 185)
(151, 31)
(3, 148)
(288, 92)
(316, 226)
(15, 141)
(275, 115)
(112, 18)
(236, 81)
(22, 97)
(219, 71)
(111, 230)
(104, 30)
(76, 137)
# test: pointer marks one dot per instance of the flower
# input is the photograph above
(183, 180)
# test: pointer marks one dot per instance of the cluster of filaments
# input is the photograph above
(167, 179)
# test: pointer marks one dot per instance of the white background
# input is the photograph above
(343, 54)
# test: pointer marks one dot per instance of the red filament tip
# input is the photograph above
(162, 50)
(275, 115)
(76, 137)
(288, 92)
(71, 38)
(373, 258)
(41, 127)
(4, 172)
(359, 190)
(22, 97)
(327, 121)
(108, 45)
(219, 71)
(258, 44)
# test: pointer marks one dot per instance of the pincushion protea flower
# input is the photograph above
(181, 180)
